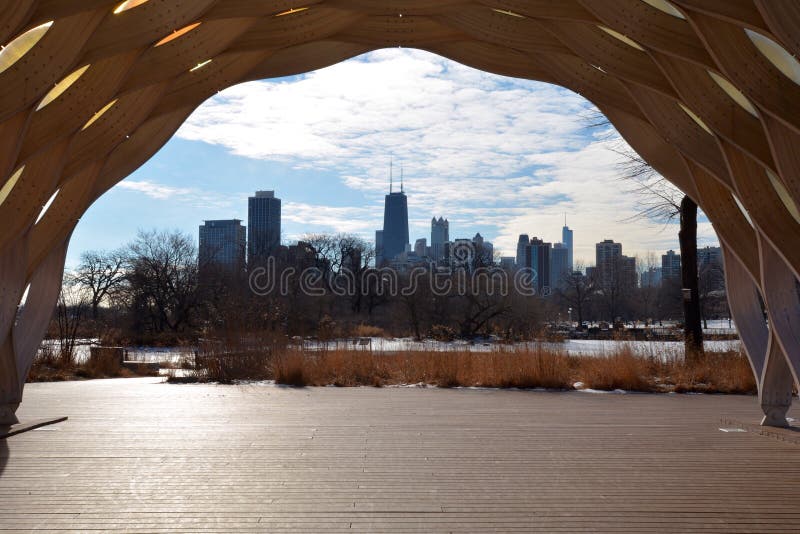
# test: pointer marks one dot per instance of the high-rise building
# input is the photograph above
(651, 277)
(538, 253)
(671, 266)
(378, 248)
(709, 256)
(263, 226)
(461, 253)
(440, 234)
(559, 264)
(222, 245)
(395, 223)
(607, 254)
(507, 262)
(710, 269)
(484, 251)
(522, 251)
(627, 276)
(421, 247)
(566, 240)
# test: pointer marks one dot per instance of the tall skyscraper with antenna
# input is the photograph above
(395, 219)
(566, 239)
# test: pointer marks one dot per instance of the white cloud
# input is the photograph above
(485, 151)
(188, 195)
(328, 219)
(153, 190)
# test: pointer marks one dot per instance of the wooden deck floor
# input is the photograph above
(137, 455)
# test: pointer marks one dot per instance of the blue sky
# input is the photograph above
(492, 154)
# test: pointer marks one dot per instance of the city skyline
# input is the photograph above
(224, 242)
(462, 134)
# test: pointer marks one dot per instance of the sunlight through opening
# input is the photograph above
(61, 86)
(784, 195)
(200, 65)
(177, 33)
(9, 185)
(734, 93)
(128, 4)
(509, 13)
(16, 49)
(46, 207)
(665, 7)
(24, 298)
(627, 40)
(743, 210)
(777, 55)
(291, 11)
(99, 114)
(695, 118)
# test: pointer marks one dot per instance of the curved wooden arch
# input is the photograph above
(683, 84)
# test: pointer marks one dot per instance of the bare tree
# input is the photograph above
(162, 275)
(661, 201)
(711, 293)
(648, 293)
(70, 312)
(343, 259)
(577, 290)
(100, 273)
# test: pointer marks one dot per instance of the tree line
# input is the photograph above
(154, 290)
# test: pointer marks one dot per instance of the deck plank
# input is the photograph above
(137, 455)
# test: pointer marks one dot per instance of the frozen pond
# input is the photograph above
(573, 347)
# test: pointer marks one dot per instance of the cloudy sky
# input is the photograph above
(494, 155)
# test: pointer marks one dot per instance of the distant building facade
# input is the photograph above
(421, 248)
(559, 264)
(263, 226)
(507, 263)
(222, 245)
(651, 277)
(395, 225)
(671, 267)
(440, 234)
(709, 256)
(566, 240)
(379, 248)
(710, 269)
(523, 243)
(607, 254)
(538, 253)
(484, 251)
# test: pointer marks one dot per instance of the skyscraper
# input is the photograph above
(421, 247)
(263, 226)
(559, 264)
(395, 223)
(607, 254)
(378, 248)
(539, 260)
(566, 239)
(522, 251)
(709, 256)
(222, 245)
(440, 234)
(671, 266)
(651, 277)
(484, 251)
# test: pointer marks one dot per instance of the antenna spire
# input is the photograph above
(401, 178)
(391, 174)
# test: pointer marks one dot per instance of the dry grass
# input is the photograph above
(505, 368)
(47, 368)
(365, 330)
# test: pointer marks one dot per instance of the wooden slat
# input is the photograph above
(137, 455)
